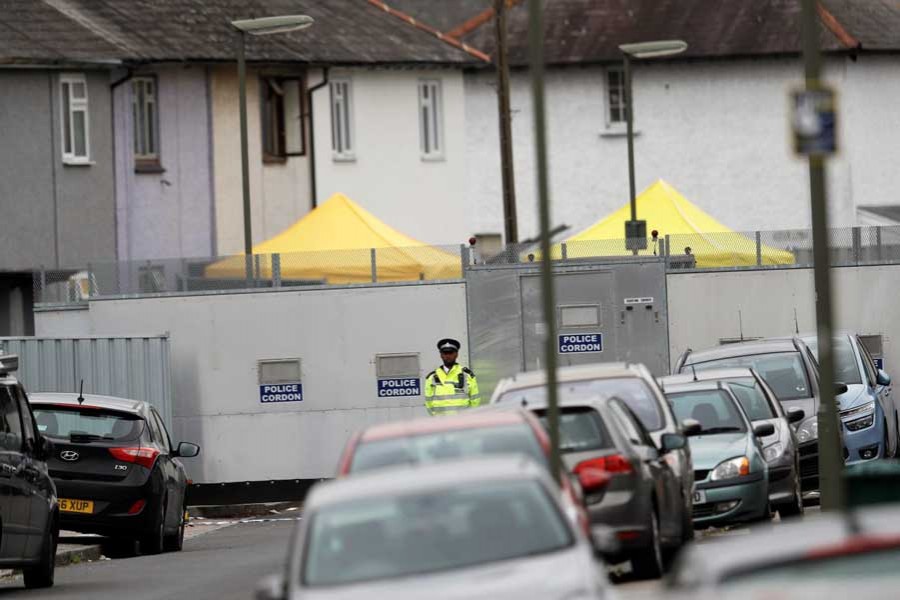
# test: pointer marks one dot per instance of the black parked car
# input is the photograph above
(28, 509)
(115, 469)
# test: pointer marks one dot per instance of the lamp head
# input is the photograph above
(268, 25)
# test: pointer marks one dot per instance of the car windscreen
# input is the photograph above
(85, 424)
(752, 398)
(447, 445)
(436, 530)
(846, 367)
(580, 429)
(854, 567)
(783, 371)
(633, 391)
(714, 409)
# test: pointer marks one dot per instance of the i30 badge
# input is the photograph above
(69, 455)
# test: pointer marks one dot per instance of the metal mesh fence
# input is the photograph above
(848, 246)
(143, 277)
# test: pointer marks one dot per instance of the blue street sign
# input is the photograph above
(282, 392)
(583, 342)
(399, 386)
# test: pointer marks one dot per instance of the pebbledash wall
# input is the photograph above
(716, 130)
(386, 174)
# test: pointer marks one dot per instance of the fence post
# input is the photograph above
(374, 265)
(248, 269)
(857, 243)
(257, 270)
(90, 272)
(668, 248)
(43, 284)
(276, 270)
(758, 249)
(878, 241)
(565, 251)
(464, 257)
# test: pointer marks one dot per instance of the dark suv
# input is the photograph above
(28, 506)
(789, 368)
(116, 470)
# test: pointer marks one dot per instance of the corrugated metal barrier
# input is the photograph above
(127, 367)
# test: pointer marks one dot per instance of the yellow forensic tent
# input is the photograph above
(334, 243)
(668, 212)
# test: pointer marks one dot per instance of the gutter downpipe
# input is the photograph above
(129, 73)
(312, 135)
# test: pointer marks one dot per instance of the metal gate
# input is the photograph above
(127, 367)
(605, 312)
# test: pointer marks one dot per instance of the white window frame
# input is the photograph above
(431, 119)
(74, 105)
(149, 104)
(610, 123)
(343, 135)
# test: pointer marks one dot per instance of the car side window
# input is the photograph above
(29, 431)
(868, 363)
(10, 422)
(164, 434)
(631, 429)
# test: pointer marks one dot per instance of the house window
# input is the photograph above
(615, 95)
(342, 139)
(146, 119)
(283, 118)
(75, 123)
(431, 132)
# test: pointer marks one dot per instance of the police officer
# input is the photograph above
(451, 387)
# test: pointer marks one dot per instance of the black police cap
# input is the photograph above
(449, 344)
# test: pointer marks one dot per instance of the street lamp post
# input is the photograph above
(261, 26)
(636, 231)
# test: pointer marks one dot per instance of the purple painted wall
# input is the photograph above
(168, 214)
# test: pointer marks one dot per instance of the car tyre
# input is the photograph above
(153, 542)
(41, 575)
(649, 563)
(175, 542)
(793, 508)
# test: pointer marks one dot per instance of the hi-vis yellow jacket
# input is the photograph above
(448, 393)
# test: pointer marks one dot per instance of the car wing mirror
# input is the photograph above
(271, 587)
(187, 450)
(840, 388)
(691, 427)
(882, 378)
(44, 449)
(673, 441)
(795, 414)
(764, 429)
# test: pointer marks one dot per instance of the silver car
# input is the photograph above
(762, 406)
(490, 528)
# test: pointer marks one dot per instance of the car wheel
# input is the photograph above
(153, 542)
(649, 563)
(794, 508)
(41, 575)
(174, 543)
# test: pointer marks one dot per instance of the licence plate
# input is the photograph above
(76, 506)
(699, 496)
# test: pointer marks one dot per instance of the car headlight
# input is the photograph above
(731, 469)
(868, 407)
(809, 430)
(773, 452)
(860, 423)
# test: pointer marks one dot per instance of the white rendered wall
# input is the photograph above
(717, 131)
(421, 198)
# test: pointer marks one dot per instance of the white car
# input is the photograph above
(487, 528)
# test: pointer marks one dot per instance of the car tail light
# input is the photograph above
(137, 507)
(141, 456)
(614, 464)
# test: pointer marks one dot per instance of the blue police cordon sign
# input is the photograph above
(583, 342)
(879, 363)
(399, 386)
(281, 392)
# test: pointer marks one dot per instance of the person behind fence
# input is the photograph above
(451, 387)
